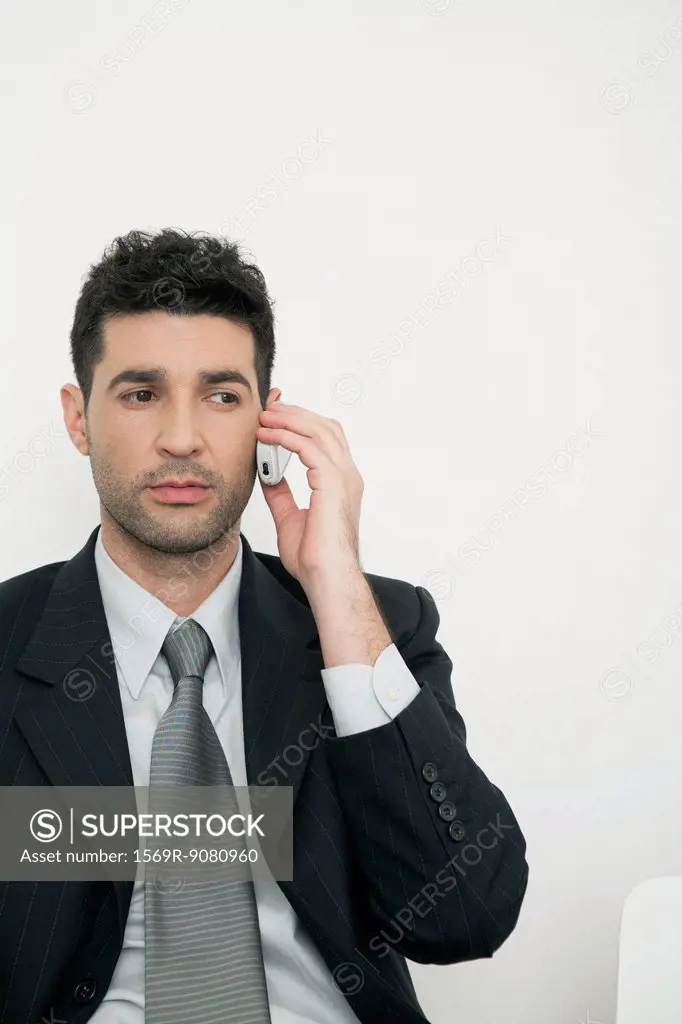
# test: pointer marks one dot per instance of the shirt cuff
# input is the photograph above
(363, 697)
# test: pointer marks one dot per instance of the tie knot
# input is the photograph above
(187, 650)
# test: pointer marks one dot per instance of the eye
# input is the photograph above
(234, 399)
(140, 391)
(228, 394)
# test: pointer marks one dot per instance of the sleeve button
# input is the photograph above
(456, 831)
(438, 792)
(429, 771)
(447, 810)
(85, 990)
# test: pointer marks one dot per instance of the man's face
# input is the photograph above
(143, 432)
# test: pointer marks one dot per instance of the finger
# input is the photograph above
(309, 450)
(285, 407)
(328, 433)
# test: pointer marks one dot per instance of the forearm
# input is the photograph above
(349, 623)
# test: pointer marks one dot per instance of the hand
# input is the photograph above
(321, 540)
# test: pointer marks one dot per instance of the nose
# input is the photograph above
(179, 428)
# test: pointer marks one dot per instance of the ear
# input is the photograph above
(274, 395)
(74, 416)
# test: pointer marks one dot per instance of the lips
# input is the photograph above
(180, 494)
(190, 481)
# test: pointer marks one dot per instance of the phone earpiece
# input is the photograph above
(271, 460)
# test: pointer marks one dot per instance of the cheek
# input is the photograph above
(120, 447)
(234, 442)
(121, 425)
(124, 432)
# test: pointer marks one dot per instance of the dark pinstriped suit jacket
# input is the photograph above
(402, 846)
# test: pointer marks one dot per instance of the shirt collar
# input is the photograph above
(139, 622)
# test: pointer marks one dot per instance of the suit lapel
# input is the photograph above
(74, 725)
(283, 697)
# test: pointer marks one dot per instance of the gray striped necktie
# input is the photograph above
(203, 954)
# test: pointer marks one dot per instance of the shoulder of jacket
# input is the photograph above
(17, 587)
(385, 588)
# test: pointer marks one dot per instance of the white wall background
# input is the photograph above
(432, 125)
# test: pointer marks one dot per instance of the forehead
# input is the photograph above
(183, 339)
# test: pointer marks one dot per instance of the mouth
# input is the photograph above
(180, 494)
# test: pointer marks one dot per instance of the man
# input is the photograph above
(299, 670)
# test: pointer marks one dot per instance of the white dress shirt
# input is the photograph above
(361, 697)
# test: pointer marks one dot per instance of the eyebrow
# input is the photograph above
(157, 374)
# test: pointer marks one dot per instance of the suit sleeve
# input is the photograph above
(438, 845)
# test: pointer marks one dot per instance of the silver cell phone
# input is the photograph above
(271, 460)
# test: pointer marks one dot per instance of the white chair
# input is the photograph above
(650, 954)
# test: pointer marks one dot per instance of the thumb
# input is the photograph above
(280, 500)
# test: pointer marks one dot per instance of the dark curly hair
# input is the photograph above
(184, 274)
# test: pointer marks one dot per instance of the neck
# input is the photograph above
(180, 581)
